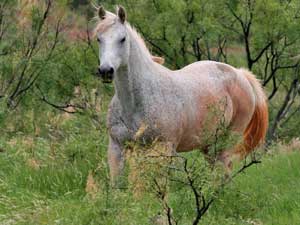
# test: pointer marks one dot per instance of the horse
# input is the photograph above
(173, 106)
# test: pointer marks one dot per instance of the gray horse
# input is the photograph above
(174, 106)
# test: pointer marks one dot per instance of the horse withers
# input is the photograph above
(174, 106)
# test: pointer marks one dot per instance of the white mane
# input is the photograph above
(137, 37)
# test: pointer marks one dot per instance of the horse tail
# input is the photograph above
(255, 133)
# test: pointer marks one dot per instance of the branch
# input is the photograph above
(278, 117)
(238, 18)
(59, 107)
(30, 51)
(262, 52)
(291, 115)
(149, 40)
(196, 194)
(245, 166)
(31, 80)
(162, 196)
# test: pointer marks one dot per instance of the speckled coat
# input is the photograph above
(175, 106)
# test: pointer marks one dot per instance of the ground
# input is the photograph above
(65, 181)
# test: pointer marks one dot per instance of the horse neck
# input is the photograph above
(132, 78)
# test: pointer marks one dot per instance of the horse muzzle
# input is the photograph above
(106, 73)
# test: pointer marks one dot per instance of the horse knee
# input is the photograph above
(114, 160)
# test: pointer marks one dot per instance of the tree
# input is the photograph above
(189, 36)
(269, 30)
(26, 48)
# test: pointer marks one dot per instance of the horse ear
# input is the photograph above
(159, 60)
(121, 14)
(101, 12)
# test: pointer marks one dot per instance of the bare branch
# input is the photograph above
(60, 107)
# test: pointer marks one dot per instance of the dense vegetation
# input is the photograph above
(53, 110)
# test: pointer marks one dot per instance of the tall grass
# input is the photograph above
(65, 181)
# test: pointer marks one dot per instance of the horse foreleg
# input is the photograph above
(115, 160)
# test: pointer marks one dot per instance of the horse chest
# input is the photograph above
(145, 125)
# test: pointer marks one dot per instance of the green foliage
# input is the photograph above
(53, 164)
(183, 38)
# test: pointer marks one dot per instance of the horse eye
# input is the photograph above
(98, 39)
(123, 40)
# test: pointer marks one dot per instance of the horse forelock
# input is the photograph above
(104, 24)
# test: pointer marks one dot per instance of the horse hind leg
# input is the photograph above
(234, 153)
(225, 157)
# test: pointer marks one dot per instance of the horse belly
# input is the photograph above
(189, 144)
(199, 130)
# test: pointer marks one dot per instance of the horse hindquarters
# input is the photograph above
(256, 130)
(250, 117)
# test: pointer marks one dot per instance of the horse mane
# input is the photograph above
(138, 38)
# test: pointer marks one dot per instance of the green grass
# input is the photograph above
(43, 181)
(268, 193)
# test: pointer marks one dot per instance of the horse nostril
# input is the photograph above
(111, 70)
(103, 70)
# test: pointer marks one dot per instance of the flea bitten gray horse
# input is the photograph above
(173, 105)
